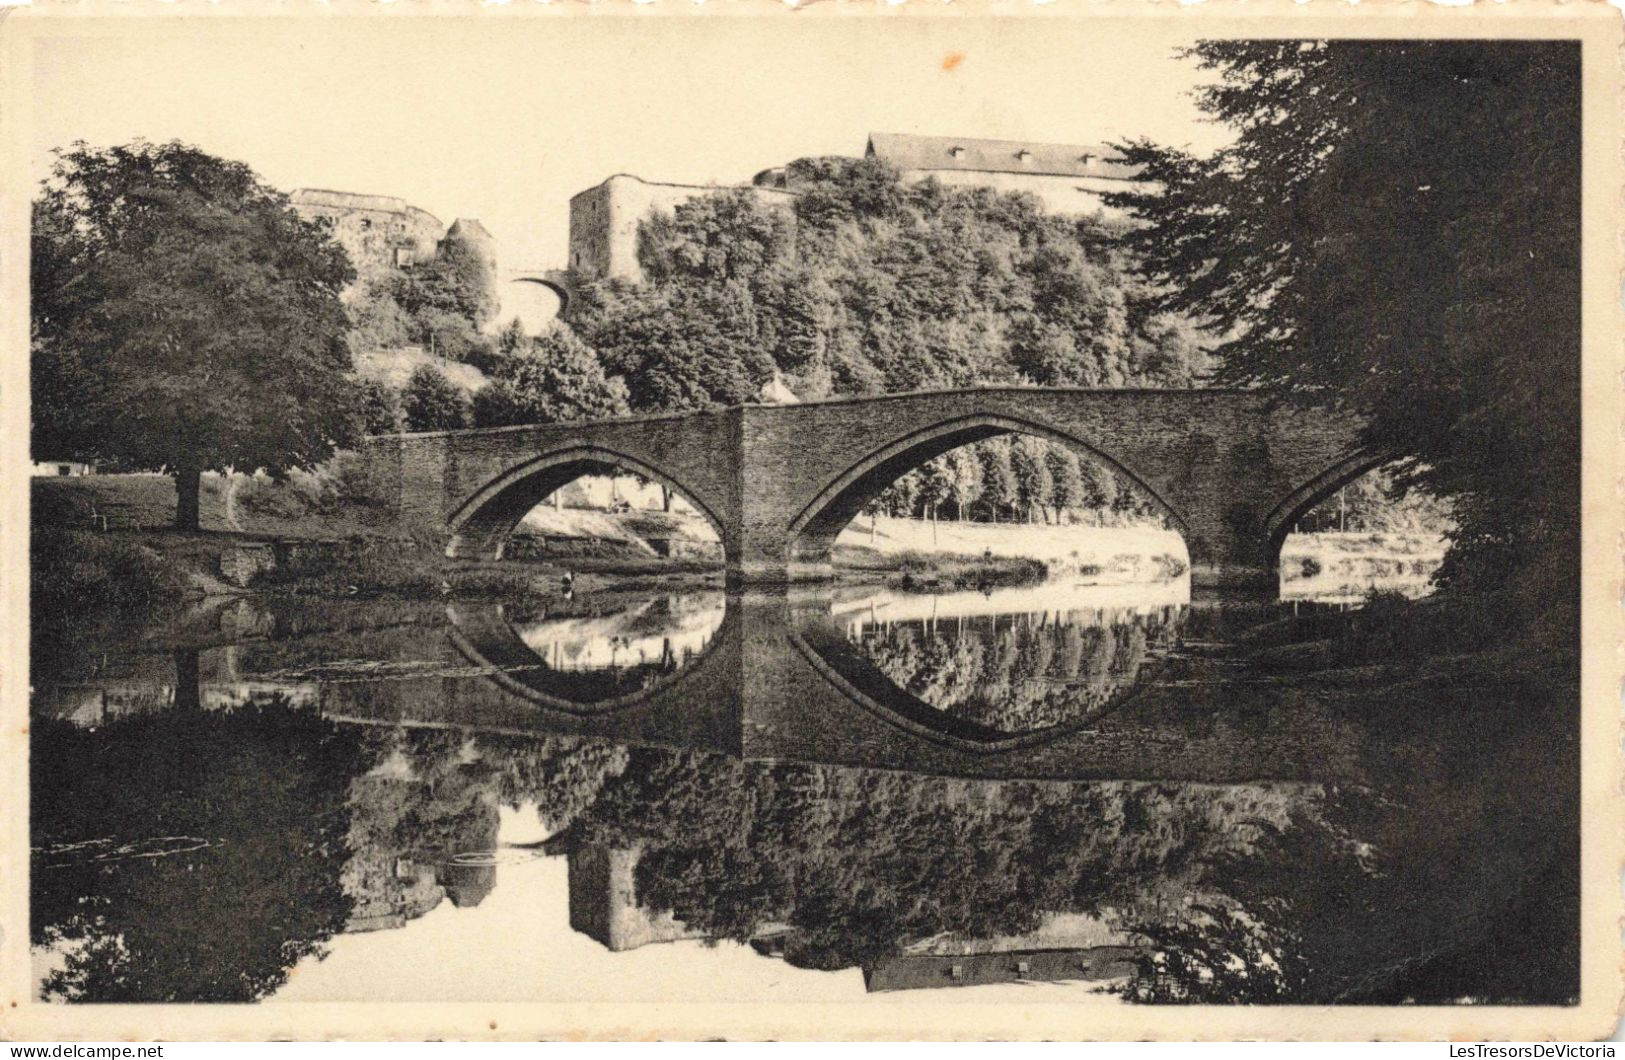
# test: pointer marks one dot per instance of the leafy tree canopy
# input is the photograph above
(871, 285)
(184, 318)
(550, 379)
(1397, 223)
(431, 402)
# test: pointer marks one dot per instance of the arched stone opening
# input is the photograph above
(1346, 533)
(556, 288)
(1301, 500)
(481, 526)
(489, 638)
(812, 533)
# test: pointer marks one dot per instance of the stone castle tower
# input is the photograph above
(384, 235)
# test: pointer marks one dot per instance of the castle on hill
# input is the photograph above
(384, 235)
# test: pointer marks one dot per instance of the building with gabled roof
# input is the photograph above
(1067, 178)
(912, 154)
(921, 971)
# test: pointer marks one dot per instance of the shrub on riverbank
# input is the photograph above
(89, 590)
(920, 571)
(1391, 628)
(74, 572)
(361, 566)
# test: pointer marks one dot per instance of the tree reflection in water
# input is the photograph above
(590, 653)
(1020, 672)
(1436, 882)
(263, 787)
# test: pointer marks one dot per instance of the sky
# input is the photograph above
(504, 119)
(517, 945)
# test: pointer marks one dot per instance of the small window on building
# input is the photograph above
(957, 152)
(1086, 158)
(403, 256)
(64, 469)
(366, 223)
(1024, 155)
(957, 972)
(1023, 967)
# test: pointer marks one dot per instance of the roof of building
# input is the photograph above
(469, 228)
(909, 152)
(924, 971)
(354, 200)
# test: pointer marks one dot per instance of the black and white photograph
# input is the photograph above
(1060, 521)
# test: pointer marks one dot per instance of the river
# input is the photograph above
(1085, 792)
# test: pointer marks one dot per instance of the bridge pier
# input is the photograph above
(1232, 580)
(772, 574)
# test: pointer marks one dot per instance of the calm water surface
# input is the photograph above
(1068, 790)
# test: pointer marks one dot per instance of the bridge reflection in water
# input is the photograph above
(1059, 682)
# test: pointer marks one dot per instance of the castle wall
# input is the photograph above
(604, 905)
(604, 220)
(379, 232)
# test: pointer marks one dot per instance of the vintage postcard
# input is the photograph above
(758, 520)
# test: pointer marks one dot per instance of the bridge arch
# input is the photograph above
(817, 642)
(486, 638)
(813, 531)
(1305, 497)
(559, 289)
(481, 524)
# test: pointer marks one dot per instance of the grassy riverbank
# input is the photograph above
(156, 570)
(927, 572)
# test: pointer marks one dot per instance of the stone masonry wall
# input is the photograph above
(379, 232)
(604, 220)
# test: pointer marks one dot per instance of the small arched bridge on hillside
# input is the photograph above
(1231, 469)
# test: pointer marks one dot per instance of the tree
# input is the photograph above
(1100, 486)
(184, 318)
(688, 346)
(380, 407)
(935, 489)
(1029, 462)
(1367, 238)
(1066, 479)
(998, 478)
(256, 798)
(558, 379)
(727, 236)
(964, 478)
(431, 402)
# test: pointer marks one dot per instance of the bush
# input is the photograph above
(431, 402)
(915, 561)
(1169, 567)
(344, 483)
(1392, 626)
(362, 566)
(73, 571)
(90, 593)
(498, 581)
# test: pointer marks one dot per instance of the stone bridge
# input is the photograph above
(1231, 469)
